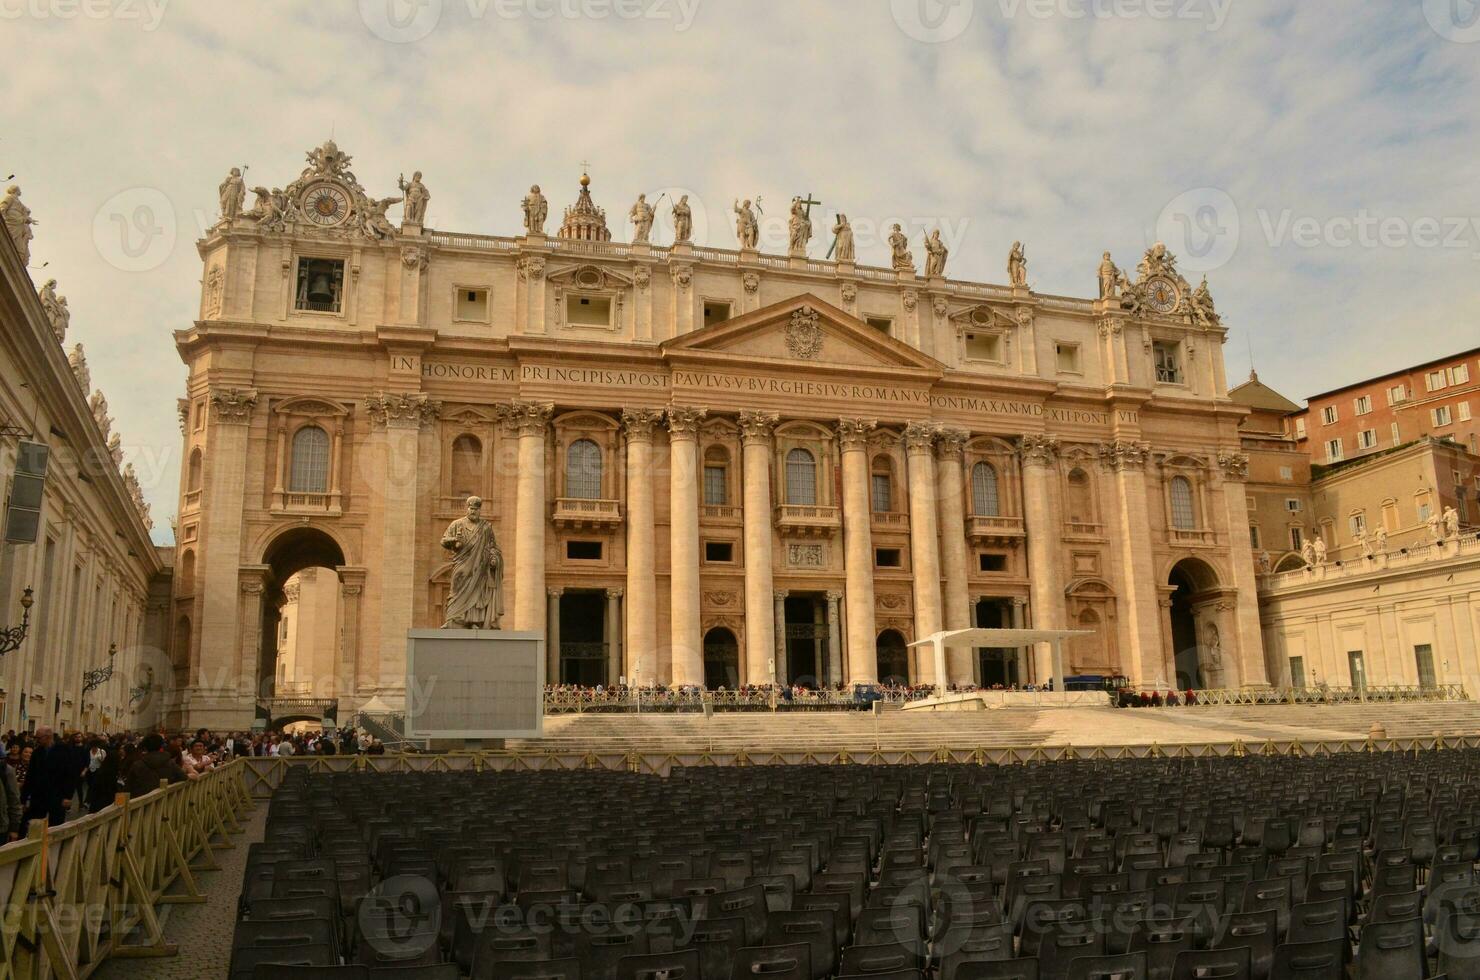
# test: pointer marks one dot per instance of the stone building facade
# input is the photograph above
(703, 465)
(84, 557)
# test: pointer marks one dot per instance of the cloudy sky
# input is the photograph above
(1318, 160)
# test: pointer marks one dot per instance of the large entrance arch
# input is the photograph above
(309, 626)
(893, 658)
(721, 659)
(1195, 635)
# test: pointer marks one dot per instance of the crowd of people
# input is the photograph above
(57, 777)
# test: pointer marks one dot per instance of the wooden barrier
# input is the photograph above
(87, 890)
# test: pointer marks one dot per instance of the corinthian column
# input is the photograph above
(642, 569)
(1143, 662)
(919, 441)
(1040, 516)
(956, 604)
(529, 421)
(683, 573)
(858, 552)
(760, 628)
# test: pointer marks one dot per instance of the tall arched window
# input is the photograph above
(192, 478)
(1081, 499)
(882, 485)
(310, 470)
(801, 477)
(985, 501)
(583, 470)
(467, 467)
(1184, 517)
(716, 477)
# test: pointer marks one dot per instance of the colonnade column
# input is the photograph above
(642, 570)
(919, 441)
(955, 603)
(529, 421)
(776, 668)
(1019, 620)
(760, 624)
(1143, 620)
(858, 551)
(1039, 455)
(683, 575)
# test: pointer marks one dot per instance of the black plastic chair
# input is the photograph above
(816, 928)
(274, 971)
(561, 969)
(1309, 961)
(1255, 931)
(1212, 964)
(792, 962)
(1018, 969)
(1126, 966)
(678, 965)
(1392, 951)
(245, 960)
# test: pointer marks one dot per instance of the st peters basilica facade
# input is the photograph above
(703, 466)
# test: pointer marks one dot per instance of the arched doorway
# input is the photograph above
(893, 658)
(721, 659)
(303, 618)
(1190, 581)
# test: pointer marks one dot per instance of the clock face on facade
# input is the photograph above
(1161, 294)
(326, 204)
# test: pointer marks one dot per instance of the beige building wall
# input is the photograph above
(583, 387)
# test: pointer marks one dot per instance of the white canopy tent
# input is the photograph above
(978, 637)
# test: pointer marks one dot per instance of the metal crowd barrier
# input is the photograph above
(660, 700)
(1333, 695)
(265, 774)
(80, 893)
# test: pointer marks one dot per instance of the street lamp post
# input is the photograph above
(98, 676)
(11, 637)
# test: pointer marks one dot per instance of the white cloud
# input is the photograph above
(1070, 133)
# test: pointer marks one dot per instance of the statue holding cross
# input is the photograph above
(800, 224)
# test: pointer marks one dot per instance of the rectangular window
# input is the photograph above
(1287, 473)
(883, 324)
(1423, 655)
(1333, 451)
(1297, 539)
(1424, 511)
(1441, 415)
(1397, 394)
(1462, 411)
(984, 347)
(1328, 415)
(1367, 439)
(1357, 524)
(881, 493)
(1067, 356)
(320, 285)
(1357, 668)
(716, 491)
(1300, 428)
(1253, 535)
(583, 550)
(1434, 381)
(888, 558)
(1167, 357)
(1292, 504)
(1397, 437)
(719, 551)
(588, 311)
(472, 304)
(1459, 374)
(1363, 404)
(1297, 672)
(716, 312)
(990, 562)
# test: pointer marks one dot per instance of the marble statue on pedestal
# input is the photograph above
(77, 361)
(233, 194)
(475, 600)
(936, 254)
(1017, 266)
(416, 196)
(55, 307)
(899, 246)
(1109, 278)
(843, 248)
(536, 210)
(799, 228)
(747, 228)
(18, 221)
(1308, 552)
(1451, 522)
(683, 221)
(1319, 543)
(642, 219)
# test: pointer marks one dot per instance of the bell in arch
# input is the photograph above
(320, 290)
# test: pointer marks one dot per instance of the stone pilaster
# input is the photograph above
(1140, 617)
(955, 604)
(1042, 522)
(1019, 621)
(642, 574)
(858, 551)
(760, 629)
(351, 650)
(613, 636)
(776, 669)
(529, 422)
(919, 440)
(1251, 664)
(683, 503)
(552, 635)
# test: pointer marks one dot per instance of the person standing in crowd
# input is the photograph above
(154, 765)
(10, 797)
(51, 779)
(103, 783)
(198, 760)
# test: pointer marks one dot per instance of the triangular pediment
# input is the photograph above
(807, 331)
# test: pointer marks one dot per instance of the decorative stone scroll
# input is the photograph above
(853, 433)
(919, 438)
(233, 406)
(756, 427)
(1123, 455)
(1235, 466)
(684, 421)
(522, 418)
(639, 423)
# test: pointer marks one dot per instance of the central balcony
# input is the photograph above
(580, 512)
(808, 520)
(994, 530)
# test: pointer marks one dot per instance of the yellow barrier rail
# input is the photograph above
(87, 890)
(265, 774)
